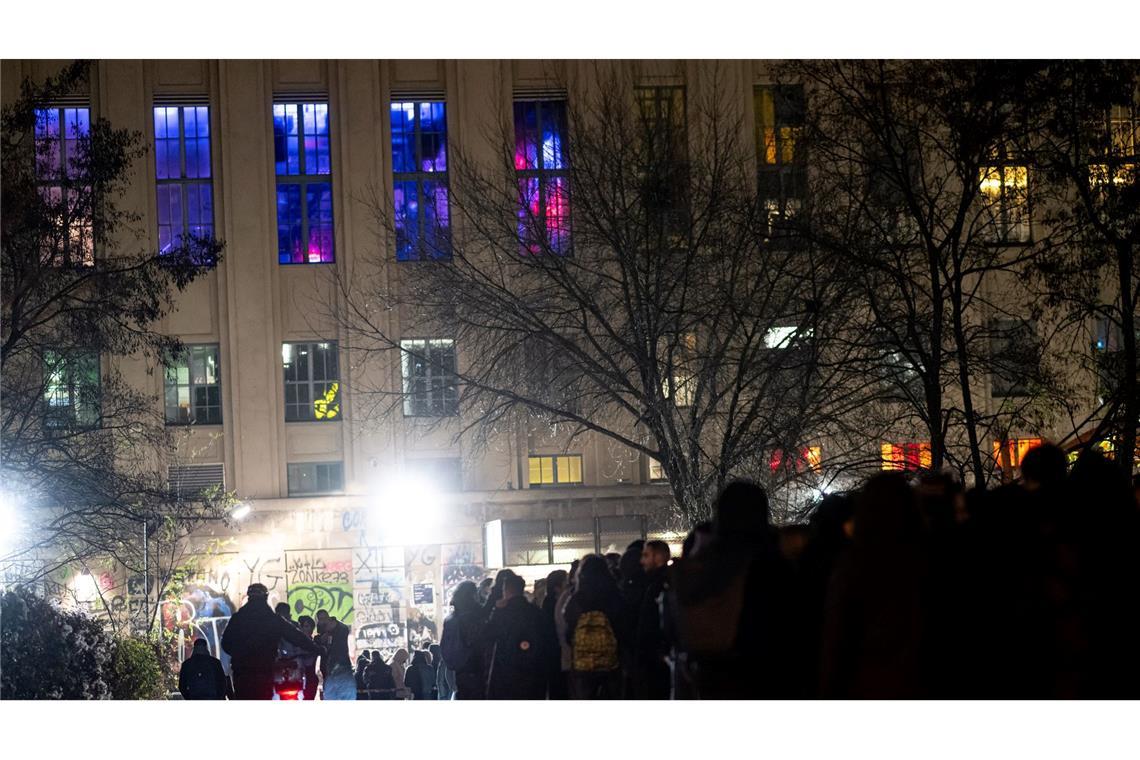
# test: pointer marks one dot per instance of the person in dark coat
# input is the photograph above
(201, 675)
(251, 639)
(420, 676)
(461, 642)
(732, 606)
(556, 583)
(333, 634)
(874, 615)
(632, 583)
(517, 637)
(600, 677)
(650, 673)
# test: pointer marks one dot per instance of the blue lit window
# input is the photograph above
(182, 174)
(61, 136)
(304, 190)
(540, 163)
(419, 163)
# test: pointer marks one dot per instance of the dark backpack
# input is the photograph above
(200, 683)
(457, 653)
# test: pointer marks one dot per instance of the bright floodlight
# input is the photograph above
(241, 512)
(9, 521)
(406, 510)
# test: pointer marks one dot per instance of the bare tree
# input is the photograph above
(605, 265)
(920, 184)
(84, 452)
(1089, 153)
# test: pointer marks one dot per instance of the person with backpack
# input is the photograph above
(733, 615)
(518, 639)
(593, 631)
(460, 643)
(201, 675)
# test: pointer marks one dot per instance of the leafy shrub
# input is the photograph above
(136, 670)
(50, 653)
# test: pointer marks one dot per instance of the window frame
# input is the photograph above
(449, 403)
(417, 247)
(303, 179)
(555, 482)
(61, 180)
(183, 182)
(790, 175)
(530, 226)
(311, 384)
(67, 358)
(189, 348)
(1000, 207)
(293, 494)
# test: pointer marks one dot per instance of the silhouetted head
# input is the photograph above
(282, 609)
(886, 516)
(420, 657)
(741, 512)
(1043, 467)
(308, 625)
(258, 593)
(654, 554)
(435, 652)
(465, 597)
(513, 585)
(556, 581)
(201, 646)
(400, 657)
(629, 567)
(639, 544)
(613, 562)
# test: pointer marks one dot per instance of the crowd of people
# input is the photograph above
(907, 588)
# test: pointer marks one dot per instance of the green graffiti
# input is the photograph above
(307, 598)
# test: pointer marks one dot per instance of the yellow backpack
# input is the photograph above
(595, 645)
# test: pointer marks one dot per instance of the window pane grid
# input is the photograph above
(419, 164)
(312, 381)
(71, 389)
(313, 478)
(429, 376)
(555, 470)
(193, 387)
(59, 136)
(182, 174)
(541, 164)
(302, 158)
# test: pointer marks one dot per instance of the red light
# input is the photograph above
(289, 694)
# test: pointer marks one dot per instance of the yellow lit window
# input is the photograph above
(555, 470)
(656, 471)
(1005, 194)
(1008, 454)
(906, 456)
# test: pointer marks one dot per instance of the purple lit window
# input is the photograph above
(541, 165)
(61, 136)
(182, 174)
(304, 192)
(419, 163)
